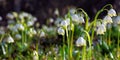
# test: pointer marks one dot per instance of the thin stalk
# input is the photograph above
(90, 44)
(118, 42)
(96, 16)
(71, 45)
(107, 6)
(94, 22)
(86, 18)
(22, 36)
(71, 35)
(68, 42)
(63, 48)
(84, 53)
(109, 41)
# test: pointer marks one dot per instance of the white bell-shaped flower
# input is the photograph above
(75, 18)
(64, 23)
(19, 26)
(9, 39)
(42, 34)
(61, 31)
(33, 31)
(117, 20)
(101, 29)
(57, 21)
(72, 10)
(107, 19)
(10, 16)
(81, 19)
(80, 42)
(18, 36)
(56, 12)
(12, 28)
(30, 23)
(112, 13)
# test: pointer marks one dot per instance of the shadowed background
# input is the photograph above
(44, 9)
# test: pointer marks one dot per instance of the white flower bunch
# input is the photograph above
(107, 18)
(77, 18)
(12, 28)
(22, 15)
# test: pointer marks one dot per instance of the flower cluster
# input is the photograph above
(106, 20)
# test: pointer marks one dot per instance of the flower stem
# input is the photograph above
(68, 42)
(109, 41)
(118, 42)
(90, 44)
(86, 17)
(63, 48)
(84, 53)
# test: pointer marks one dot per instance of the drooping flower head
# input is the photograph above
(61, 31)
(107, 19)
(65, 23)
(9, 39)
(117, 20)
(80, 42)
(101, 29)
(112, 13)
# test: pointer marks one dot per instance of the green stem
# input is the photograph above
(86, 18)
(107, 6)
(71, 45)
(84, 53)
(22, 36)
(118, 42)
(68, 42)
(96, 16)
(109, 37)
(63, 48)
(90, 44)
(94, 22)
